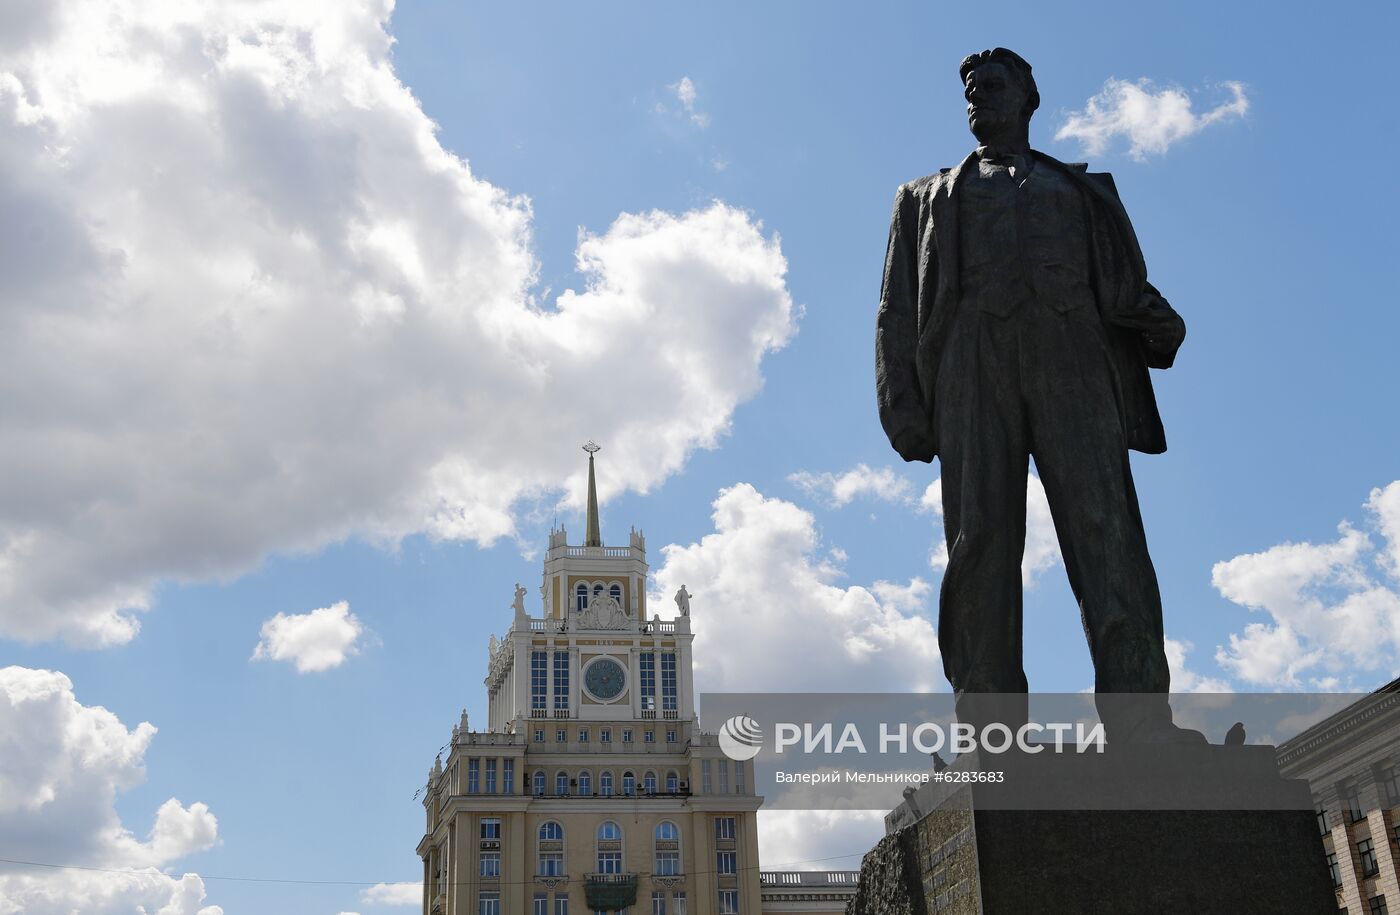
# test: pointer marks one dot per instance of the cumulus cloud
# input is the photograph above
(762, 573)
(314, 641)
(393, 894)
(685, 92)
(1150, 119)
(64, 764)
(251, 304)
(1042, 551)
(810, 840)
(1186, 680)
(861, 480)
(1334, 608)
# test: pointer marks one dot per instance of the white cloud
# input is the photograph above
(686, 94)
(862, 480)
(1042, 551)
(1149, 118)
(1185, 680)
(252, 305)
(314, 641)
(810, 840)
(1332, 611)
(64, 764)
(760, 573)
(394, 894)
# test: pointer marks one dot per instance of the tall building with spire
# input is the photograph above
(591, 788)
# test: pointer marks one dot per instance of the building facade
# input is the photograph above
(1352, 762)
(591, 789)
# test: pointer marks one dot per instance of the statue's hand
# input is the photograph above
(915, 445)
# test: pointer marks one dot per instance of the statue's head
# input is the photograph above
(1000, 92)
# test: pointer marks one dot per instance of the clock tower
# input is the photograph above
(592, 788)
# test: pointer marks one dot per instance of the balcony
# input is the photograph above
(608, 892)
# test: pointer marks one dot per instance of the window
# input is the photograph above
(605, 735)
(724, 776)
(679, 900)
(490, 864)
(473, 775)
(490, 828)
(539, 679)
(581, 598)
(629, 784)
(626, 735)
(705, 776)
(724, 827)
(583, 735)
(561, 784)
(488, 903)
(551, 832)
(646, 666)
(541, 906)
(1334, 870)
(729, 902)
(509, 777)
(726, 863)
(1389, 779)
(539, 782)
(671, 736)
(1351, 802)
(490, 776)
(1367, 853)
(1377, 905)
(539, 735)
(561, 905)
(648, 737)
(1322, 820)
(609, 848)
(649, 783)
(561, 736)
(605, 784)
(739, 783)
(673, 782)
(551, 864)
(561, 680)
(658, 902)
(668, 853)
(668, 681)
(615, 592)
(585, 783)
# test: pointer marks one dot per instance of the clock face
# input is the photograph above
(604, 679)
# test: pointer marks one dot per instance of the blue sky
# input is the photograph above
(270, 348)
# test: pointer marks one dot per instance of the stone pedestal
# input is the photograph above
(1141, 831)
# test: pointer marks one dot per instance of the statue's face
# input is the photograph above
(996, 101)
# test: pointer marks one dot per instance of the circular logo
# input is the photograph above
(741, 738)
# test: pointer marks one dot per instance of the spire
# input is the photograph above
(592, 537)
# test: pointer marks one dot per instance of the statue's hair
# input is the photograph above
(1013, 62)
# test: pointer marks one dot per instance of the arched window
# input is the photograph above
(561, 783)
(539, 781)
(551, 850)
(609, 848)
(585, 783)
(581, 597)
(649, 782)
(668, 849)
(629, 783)
(615, 592)
(597, 591)
(605, 784)
(673, 782)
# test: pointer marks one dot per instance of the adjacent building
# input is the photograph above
(591, 789)
(1352, 762)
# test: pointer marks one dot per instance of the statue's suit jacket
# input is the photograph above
(921, 293)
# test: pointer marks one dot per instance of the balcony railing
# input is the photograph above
(609, 892)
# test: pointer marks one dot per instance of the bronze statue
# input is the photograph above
(1016, 321)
